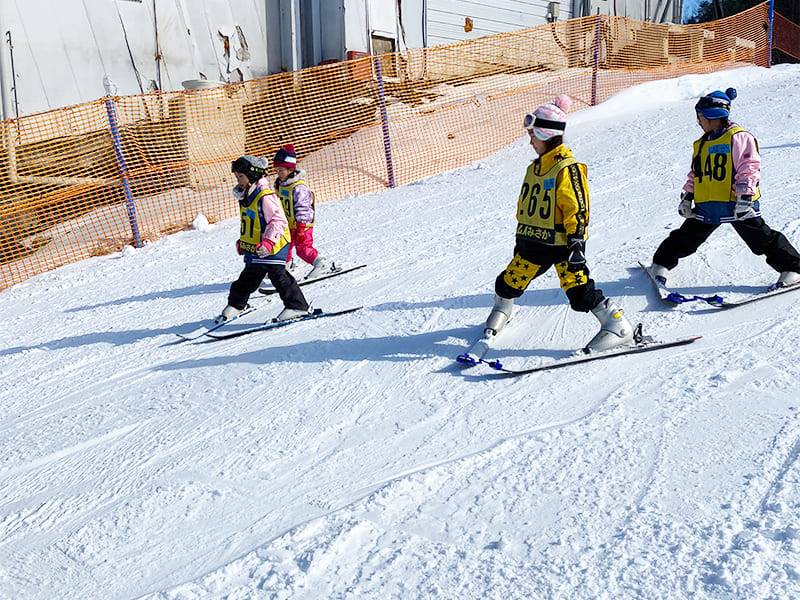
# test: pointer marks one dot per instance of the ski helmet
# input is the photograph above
(250, 166)
(717, 104)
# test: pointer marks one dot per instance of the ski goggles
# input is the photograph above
(707, 102)
(531, 121)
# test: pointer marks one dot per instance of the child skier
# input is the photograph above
(724, 185)
(298, 204)
(552, 220)
(264, 243)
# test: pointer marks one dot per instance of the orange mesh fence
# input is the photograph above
(786, 36)
(89, 179)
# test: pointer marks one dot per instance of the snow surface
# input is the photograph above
(351, 458)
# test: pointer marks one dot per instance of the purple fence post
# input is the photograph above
(596, 61)
(771, 25)
(387, 145)
(122, 166)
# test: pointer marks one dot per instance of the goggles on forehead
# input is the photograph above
(710, 102)
(531, 121)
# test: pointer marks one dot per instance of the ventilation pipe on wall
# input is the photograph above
(4, 93)
(424, 23)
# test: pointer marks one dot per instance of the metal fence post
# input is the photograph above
(596, 61)
(387, 146)
(122, 166)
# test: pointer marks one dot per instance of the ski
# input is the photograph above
(672, 298)
(318, 313)
(643, 346)
(206, 329)
(268, 289)
(769, 293)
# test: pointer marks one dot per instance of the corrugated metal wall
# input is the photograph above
(446, 18)
(656, 11)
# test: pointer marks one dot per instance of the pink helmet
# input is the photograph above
(549, 120)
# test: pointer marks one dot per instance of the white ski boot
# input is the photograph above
(228, 313)
(501, 313)
(321, 267)
(787, 279)
(659, 273)
(615, 329)
(287, 314)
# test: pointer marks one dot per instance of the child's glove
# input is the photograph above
(577, 257)
(239, 250)
(685, 207)
(744, 208)
(302, 233)
(264, 249)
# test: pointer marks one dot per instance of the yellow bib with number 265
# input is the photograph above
(536, 210)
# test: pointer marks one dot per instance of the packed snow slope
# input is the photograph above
(351, 458)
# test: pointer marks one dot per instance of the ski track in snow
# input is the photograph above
(351, 457)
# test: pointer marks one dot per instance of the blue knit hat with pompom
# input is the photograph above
(716, 105)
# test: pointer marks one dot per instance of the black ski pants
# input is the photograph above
(251, 277)
(758, 236)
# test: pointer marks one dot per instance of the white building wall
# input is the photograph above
(411, 24)
(446, 18)
(62, 48)
(656, 11)
(401, 21)
(355, 15)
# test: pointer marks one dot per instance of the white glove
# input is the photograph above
(685, 207)
(744, 208)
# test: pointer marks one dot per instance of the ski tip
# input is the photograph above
(675, 298)
(466, 359)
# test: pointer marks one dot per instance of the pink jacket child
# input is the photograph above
(263, 242)
(723, 188)
(298, 203)
(746, 163)
(273, 221)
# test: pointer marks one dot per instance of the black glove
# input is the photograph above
(577, 257)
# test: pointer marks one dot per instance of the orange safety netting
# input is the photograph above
(87, 180)
(786, 36)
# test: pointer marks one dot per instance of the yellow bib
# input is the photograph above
(286, 194)
(712, 165)
(536, 206)
(252, 225)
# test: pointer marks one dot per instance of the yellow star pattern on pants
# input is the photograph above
(570, 279)
(520, 272)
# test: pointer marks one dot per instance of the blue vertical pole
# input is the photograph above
(122, 166)
(387, 145)
(771, 25)
(596, 61)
